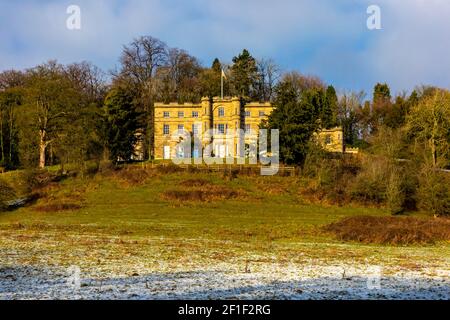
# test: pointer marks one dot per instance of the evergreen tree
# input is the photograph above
(381, 93)
(329, 112)
(297, 118)
(122, 123)
(210, 80)
(244, 74)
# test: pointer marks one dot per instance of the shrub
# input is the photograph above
(369, 186)
(329, 176)
(391, 230)
(132, 176)
(401, 188)
(36, 179)
(7, 193)
(200, 195)
(230, 174)
(170, 168)
(434, 191)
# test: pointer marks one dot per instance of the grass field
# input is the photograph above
(127, 225)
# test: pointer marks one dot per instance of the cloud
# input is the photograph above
(326, 37)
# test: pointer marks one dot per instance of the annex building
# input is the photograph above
(214, 124)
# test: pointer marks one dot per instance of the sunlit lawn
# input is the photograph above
(121, 221)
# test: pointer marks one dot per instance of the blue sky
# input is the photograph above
(327, 38)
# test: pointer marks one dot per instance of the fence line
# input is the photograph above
(283, 170)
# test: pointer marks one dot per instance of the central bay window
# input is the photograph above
(195, 129)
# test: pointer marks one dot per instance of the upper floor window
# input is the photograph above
(180, 114)
(180, 128)
(166, 114)
(221, 112)
(221, 128)
(194, 114)
(166, 129)
(248, 114)
(262, 114)
(328, 139)
(248, 128)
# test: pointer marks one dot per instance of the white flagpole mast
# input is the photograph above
(221, 84)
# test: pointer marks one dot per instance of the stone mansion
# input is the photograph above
(217, 118)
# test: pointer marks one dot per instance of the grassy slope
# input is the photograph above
(121, 223)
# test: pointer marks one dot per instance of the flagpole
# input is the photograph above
(221, 84)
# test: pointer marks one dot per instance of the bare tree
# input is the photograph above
(140, 61)
(269, 74)
(349, 105)
(302, 82)
(10, 79)
(88, 79)
(182, 75)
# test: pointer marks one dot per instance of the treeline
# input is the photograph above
(60, 114)
(405, 154)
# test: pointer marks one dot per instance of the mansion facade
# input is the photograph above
(214, 123)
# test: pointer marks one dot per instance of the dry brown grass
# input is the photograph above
(205, 193)
(195, 183)
(130, 177)
(391, 230)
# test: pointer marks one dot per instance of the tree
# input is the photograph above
(330, 108)
(122, 123)
(381, 106)
(140, 61)
(297, 118)
(429, 123)
(85, 139)
(10, 100)
(349, 105)
(178, 80)
(11, 79)
(244, 73)
(381, 93)
(210, 80)
(302, 83)
(51, 100)
(268, 75)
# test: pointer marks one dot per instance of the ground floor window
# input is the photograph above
(166, 152)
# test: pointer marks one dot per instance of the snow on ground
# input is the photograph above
(226, 281)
